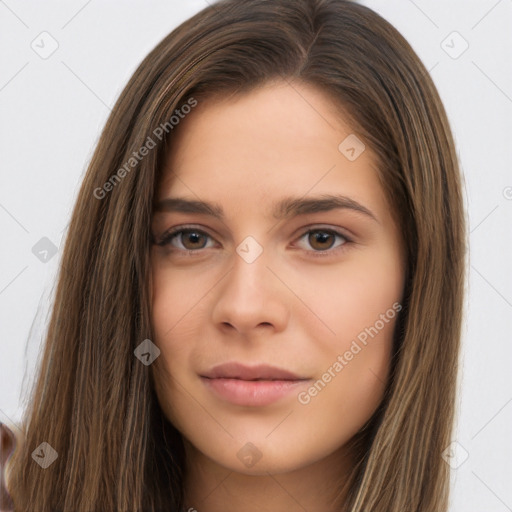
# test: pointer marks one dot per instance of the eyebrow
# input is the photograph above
(286, 208)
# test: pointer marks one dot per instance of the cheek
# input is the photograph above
(168, 369)
(365, 294)
(350, 384)
(176, 294)
(173, 330)
(341, 408)
(171, 300)
(361, 311)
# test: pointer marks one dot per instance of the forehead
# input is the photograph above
(250, 149)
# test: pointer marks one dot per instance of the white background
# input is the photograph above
(52, 111)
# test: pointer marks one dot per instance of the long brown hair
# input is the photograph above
(93, 401)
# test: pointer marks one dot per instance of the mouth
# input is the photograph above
(251, 386)
(235, 370)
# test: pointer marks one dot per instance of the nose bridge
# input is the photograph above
(249, 276)
(250, 294)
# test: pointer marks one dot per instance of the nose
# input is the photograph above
(252, 297)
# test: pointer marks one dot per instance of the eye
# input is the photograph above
(190, 239)
(322, 241)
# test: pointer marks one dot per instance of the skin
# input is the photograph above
(287, 308)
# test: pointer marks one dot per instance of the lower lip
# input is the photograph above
(252, 392)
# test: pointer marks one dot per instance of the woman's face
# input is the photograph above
(297, 265)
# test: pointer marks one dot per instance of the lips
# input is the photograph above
(259, 372)
(252, 386)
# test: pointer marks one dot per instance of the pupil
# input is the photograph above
(321, 238)
(193, 237)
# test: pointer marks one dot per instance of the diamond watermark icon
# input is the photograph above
(45, 45)
(249, 250)
(146, 352)
(454, 45)
(44, 250)
(44, 455)
(455, 455)
(249, 455)
(351, 147)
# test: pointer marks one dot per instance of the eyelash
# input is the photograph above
(169, 235)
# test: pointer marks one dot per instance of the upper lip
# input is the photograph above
(239, 371)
